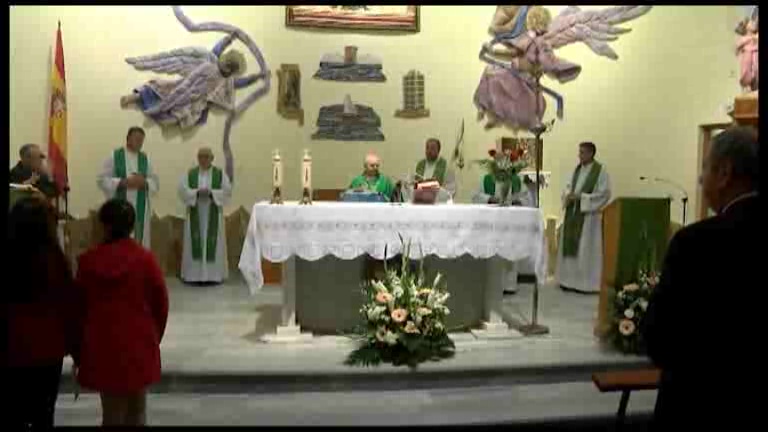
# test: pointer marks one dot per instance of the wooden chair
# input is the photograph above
(626, 381)
(327, 194)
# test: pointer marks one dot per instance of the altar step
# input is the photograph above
(574, 406)
(382, 378)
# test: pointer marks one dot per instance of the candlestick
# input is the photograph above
(306, 178)
(277, 169)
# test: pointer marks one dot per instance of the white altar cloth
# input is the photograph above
(349, 230)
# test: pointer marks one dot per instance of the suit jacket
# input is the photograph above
(696, 323)
(19, 174)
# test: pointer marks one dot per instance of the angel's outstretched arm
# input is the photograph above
(248, 80)
(223, 44)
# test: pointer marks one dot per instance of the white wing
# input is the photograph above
(594, 28)
(180, 61)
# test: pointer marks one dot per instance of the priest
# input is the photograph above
(371, 180)
(580, 255)
(434, 168)
(127, 174)
(204, 191)
(32, 172)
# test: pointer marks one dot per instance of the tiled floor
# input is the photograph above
(212, 343)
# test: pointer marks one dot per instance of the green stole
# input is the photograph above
(574, 218)
(195, 228)
(489, 185)
(438, 174)
(119, 171)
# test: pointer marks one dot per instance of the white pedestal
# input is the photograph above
(288, 331)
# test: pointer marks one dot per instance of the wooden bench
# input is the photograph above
(626, 381)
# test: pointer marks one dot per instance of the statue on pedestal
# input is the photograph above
(747, 51)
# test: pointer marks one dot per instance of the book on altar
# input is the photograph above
(428, 185)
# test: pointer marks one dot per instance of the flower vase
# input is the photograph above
(504, 187)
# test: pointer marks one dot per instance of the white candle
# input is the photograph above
(306, 176)
(277, 170)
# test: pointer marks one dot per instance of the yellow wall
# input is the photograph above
(676, 70)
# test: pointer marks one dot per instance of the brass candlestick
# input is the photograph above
(276, 196)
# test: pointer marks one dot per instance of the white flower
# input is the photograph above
(410, 327)
(629, 313)
(390, 338)
(380, 334)
(631, 287)
(626, 327)
(438, 325)
(643, 304)
(398, 291)
(380, 287)
(621, 295)
(437, 280)
(423, 311)
(375, 313)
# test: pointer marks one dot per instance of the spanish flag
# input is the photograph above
(57, 121)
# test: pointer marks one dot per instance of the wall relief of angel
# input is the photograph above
(206, 79)
(522, 51)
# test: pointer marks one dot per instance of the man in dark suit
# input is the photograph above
(31, 171)
(696, 322)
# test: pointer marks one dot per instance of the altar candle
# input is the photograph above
(306, 170)
(277, 170)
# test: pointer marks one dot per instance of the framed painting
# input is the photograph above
(391, 17)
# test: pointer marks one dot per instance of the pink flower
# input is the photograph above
(399, 315)
(626, 327)
(383, 297)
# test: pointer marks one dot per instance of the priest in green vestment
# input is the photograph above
(127, 174)
(204, 190)
(435, 168)
(580, 254)
(371, 180)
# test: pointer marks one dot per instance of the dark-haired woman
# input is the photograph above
(126, 308)
(41, 316)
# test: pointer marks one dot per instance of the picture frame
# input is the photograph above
(289, 92)
(349, 17)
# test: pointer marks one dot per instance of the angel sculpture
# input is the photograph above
(521, 52)
(747, 50)
(207, 78)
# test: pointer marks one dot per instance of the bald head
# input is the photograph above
(205, 158)
(372, 164)
(732, 166)
(31, 156)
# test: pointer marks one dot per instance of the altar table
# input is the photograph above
(323, 247)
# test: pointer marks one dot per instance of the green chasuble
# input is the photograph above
(439, 172)
(381, 184)
(119, 171)
(574, 217)
(195, 227)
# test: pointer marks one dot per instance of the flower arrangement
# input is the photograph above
(404, 318)
(629, 306)
(504, 166)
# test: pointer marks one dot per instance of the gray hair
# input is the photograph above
(739, 146)
(25, 149)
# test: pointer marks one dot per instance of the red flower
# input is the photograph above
(492, 152)
(515, 155)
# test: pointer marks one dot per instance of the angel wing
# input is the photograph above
(180, 61)
(594, 28)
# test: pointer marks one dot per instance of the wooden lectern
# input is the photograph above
(630, 227)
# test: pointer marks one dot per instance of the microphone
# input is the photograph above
(676, 186)
(669, 182)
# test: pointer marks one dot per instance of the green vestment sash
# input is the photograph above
(120, 171)
(439, 173)
(380, 184)
(574, 217)
(195, 227)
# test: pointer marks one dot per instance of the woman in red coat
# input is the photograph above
(39, 311)
(125, 312)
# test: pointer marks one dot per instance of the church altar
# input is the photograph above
(324, 246)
